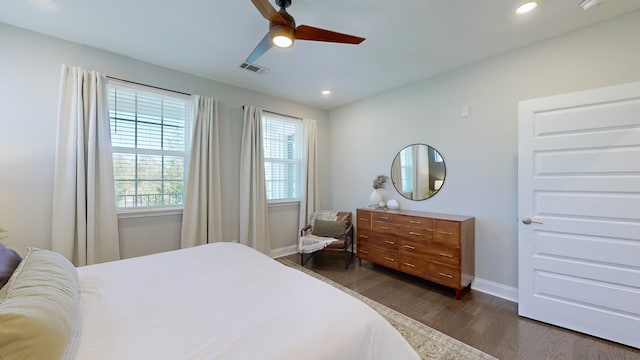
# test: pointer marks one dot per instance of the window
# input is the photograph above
(406, 169)
(436, 156)
(282, 156)
(149, 143)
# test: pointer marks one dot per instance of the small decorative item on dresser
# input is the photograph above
(376, 196)
(392, 204)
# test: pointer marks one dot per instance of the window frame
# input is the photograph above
(162, 210)
(297, 187)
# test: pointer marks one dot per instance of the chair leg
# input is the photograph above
(348, 256)
(346, 259)
(302, 259)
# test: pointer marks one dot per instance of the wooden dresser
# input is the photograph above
(435, 247)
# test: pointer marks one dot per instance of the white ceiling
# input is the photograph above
(406, 41)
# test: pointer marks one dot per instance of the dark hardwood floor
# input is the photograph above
(485, 322)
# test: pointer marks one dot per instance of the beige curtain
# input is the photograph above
(84, 220)
(202, 214)
(254, 219)
(310, 196)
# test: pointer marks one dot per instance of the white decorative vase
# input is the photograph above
(376, 197)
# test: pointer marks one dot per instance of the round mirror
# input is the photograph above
(418, 172)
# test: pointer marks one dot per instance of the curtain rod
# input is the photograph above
(277, 113)
(151, 86)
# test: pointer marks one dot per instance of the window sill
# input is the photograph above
(288, 202)
(148, 212)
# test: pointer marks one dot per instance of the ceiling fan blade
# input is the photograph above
(264, 45)
(268, 11)
(304, 32)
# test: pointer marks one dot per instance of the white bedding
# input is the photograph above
(222, 301)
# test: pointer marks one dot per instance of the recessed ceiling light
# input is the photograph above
(326, 92)
(526, 7)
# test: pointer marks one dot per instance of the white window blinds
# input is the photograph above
(149, 141)
(282, 156)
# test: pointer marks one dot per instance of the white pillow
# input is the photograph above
(38, 307)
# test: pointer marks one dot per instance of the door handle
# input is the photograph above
(528, 221)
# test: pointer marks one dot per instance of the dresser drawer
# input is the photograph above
(413, 248)
(363, 219)
(389, 259)
(386, 241)
(363, 236)
(384, 227)
(447, 232)
(444, 255)
(378, 255)
(384, 217)
(412, 265)
(365, 251)
(416, 222)
(443, 274)
(412, 234)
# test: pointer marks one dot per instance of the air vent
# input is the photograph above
(254, 68)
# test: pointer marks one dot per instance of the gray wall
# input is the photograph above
(480, 151)
(29, 81)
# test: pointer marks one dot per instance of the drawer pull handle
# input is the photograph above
(384, 217)
(415, 222)
(364, 251)
(446, 275)
(446, 233)
(390, 259)
(364, 236)
(446, 255)
(363, 219)
(414, 233)
(410, 265)
(389, 242)
(410, 247)
(384, 228)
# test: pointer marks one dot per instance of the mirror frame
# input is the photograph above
(431, 189)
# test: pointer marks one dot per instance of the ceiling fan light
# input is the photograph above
(526, 7)
(281, 35)
(282, 41)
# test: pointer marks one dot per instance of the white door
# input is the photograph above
(579, 211)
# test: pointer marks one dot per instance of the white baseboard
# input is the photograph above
(495, 289)
(284, 251)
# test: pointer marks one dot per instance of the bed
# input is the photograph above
(216, 301)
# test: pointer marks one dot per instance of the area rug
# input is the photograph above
(428, 343)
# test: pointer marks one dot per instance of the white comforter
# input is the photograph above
(222, 301)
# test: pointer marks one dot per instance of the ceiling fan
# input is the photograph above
(283, 31)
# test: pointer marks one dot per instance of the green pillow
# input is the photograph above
(326, 228)
(38, 307)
